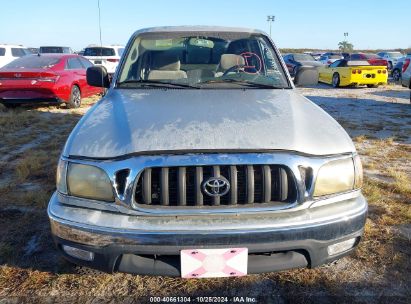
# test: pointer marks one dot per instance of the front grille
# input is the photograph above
(250, 185)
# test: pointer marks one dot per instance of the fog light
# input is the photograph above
(78, 253)
(341, 246)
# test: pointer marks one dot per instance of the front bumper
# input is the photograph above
(53, 100)
(151, 244)
(28, 94)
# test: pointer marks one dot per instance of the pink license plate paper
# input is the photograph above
(214, 263)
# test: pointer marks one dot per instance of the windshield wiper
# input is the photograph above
(157, 84)
(242, 82)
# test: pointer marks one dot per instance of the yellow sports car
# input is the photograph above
(343, 73)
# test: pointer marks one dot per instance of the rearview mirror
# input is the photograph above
(97, 76)
(201, 42)
(306, 75)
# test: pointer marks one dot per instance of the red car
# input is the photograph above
(372, 59)
(55, 78)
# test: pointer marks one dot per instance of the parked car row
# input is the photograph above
(107, 55)
(53, 75)
(388, 61)
(51, 78)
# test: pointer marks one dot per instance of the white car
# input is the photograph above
(106, 56)
(9, 52)
(391, 57)
(328, 59)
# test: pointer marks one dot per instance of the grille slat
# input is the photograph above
(267, 183)
(182, 187)
(199, 179)
(250, 185)
(147, 186)
(283, 184)
(234, 185)
(165, 197)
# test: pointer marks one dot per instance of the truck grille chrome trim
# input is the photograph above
(182, 186)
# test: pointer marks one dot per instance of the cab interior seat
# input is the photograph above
(227, 62)
(165, 66)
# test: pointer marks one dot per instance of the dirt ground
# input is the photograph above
(378, 120)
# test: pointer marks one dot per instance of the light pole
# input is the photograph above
(345, 36)
(270, 19)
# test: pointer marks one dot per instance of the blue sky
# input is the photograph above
(299, 24)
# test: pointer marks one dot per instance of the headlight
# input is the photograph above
(61, 175)
(89, 182)
(334, 177)
(358, 172)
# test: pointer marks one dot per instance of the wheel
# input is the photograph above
(75, 98)
(396, 75)
(336, 80)
(372, 85)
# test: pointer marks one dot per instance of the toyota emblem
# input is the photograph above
(216, 186)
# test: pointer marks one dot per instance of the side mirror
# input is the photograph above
(97, 76)
(306, 75)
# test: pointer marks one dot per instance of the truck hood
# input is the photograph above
(129, 121)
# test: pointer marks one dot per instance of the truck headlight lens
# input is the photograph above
(334, 177)
(61, 182)
(89, 182)
(358, 172)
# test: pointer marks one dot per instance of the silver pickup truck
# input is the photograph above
(203, 160)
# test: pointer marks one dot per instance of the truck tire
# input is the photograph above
(336, 80)
(372, 85)
(75, 98)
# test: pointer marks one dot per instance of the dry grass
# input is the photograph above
(31, 165)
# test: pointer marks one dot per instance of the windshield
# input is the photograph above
(303, 57)
(19, 52)
(209, 60)
(33, 62)
(51, 49)
(99, 51)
